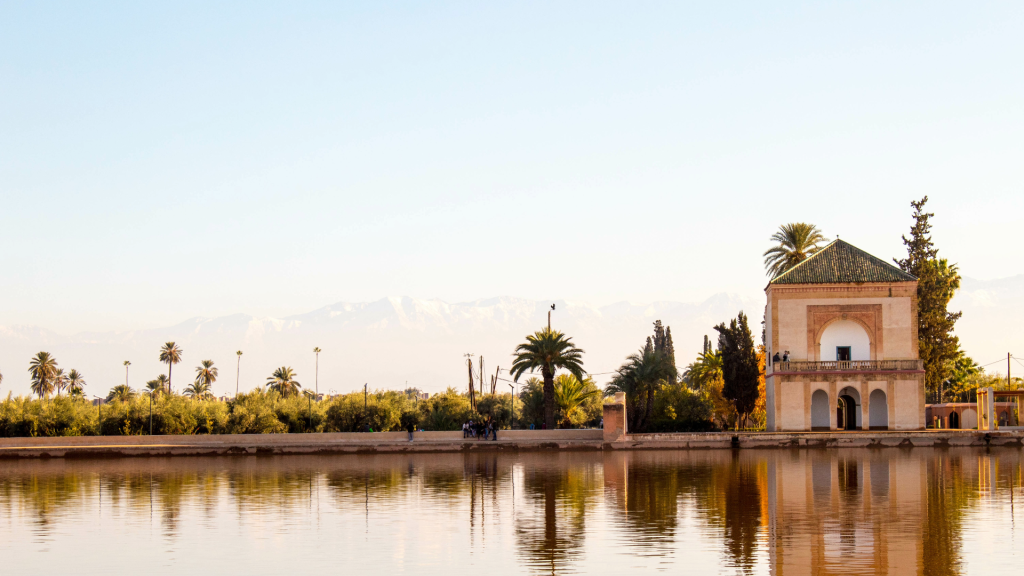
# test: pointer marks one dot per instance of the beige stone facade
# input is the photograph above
(866, 375)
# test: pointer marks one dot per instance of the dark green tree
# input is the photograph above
(739, 365)
(641, 375)
(548, 350)
(937, 282)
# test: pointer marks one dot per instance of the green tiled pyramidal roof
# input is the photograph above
(840, 263)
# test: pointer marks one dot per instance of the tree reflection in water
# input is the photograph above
(550, 529)
(833, 511)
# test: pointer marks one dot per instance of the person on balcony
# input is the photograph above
(775, 358)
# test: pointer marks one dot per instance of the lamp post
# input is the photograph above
(150, 412)
(99, 415)
(317, 374)
(513, 425)
(238, 368)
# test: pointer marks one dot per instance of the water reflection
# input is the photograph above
(746, 512)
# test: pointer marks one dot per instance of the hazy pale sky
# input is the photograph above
(162, 161)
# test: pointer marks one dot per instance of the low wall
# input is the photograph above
(853, 439)
(508, 440)
(341, 442)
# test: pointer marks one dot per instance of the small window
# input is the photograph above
(843, 353)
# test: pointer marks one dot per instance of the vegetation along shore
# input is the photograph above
(723, 388)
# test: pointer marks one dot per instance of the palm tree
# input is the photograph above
(548, 350)
(283, 381)
(164, 381)
(641, 375)
(121, 393)
(570, 393)
(75, 383)
(156, 386)
(207, 373)
(706, 369)
(198, 390)
(170, 354)
(60, 381)
(796, 241)
(43, 368)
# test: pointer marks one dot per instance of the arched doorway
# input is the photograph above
(954, 420)
(851, 418)
(878, 411)
(820, 411)
(847, 412)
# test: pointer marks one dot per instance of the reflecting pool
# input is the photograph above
(780, 512)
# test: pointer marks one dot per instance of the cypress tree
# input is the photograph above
(740, 369)
(670, 350)
(937, 282)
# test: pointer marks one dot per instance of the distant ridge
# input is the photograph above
(384, 343)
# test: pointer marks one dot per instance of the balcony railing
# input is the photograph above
(850, 366)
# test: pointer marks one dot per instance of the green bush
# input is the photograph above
(255, 412)
(677, 408)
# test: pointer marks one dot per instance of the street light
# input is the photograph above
(126, 365)
(238, 368)
(317, 376)
(513, 425)
(151, 412)
(99, 414)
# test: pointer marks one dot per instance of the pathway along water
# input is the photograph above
(849, 511)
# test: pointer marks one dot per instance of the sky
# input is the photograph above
(160, 161)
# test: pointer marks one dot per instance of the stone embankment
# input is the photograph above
(508, 440)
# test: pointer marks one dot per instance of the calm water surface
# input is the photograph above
(778, 512)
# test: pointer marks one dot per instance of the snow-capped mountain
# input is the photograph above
(386, 343)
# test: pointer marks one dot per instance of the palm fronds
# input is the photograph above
(796, 241)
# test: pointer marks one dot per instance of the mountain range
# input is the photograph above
(393, 342)
(396, 342)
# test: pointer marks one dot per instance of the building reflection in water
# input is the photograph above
(783, 512)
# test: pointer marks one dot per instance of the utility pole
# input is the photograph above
(1007, 370)
(238, 368)
(127, 364)
(481, 376)
(472, 394)
(365, 405)
(549, 317)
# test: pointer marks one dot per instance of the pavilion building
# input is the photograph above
(842, 348)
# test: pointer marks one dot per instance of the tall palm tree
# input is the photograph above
(198, 390)
(76, 383)
(796, 242)
(170, 354)
(570, 393)
(641, 375)
(206, 374)
(42, 367)
(121, 393)
(283, 381)
(548, 350)
(60, 381)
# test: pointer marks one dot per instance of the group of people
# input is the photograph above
(476, 429)
(785, 357)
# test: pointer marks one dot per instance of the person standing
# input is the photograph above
(411, 427)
